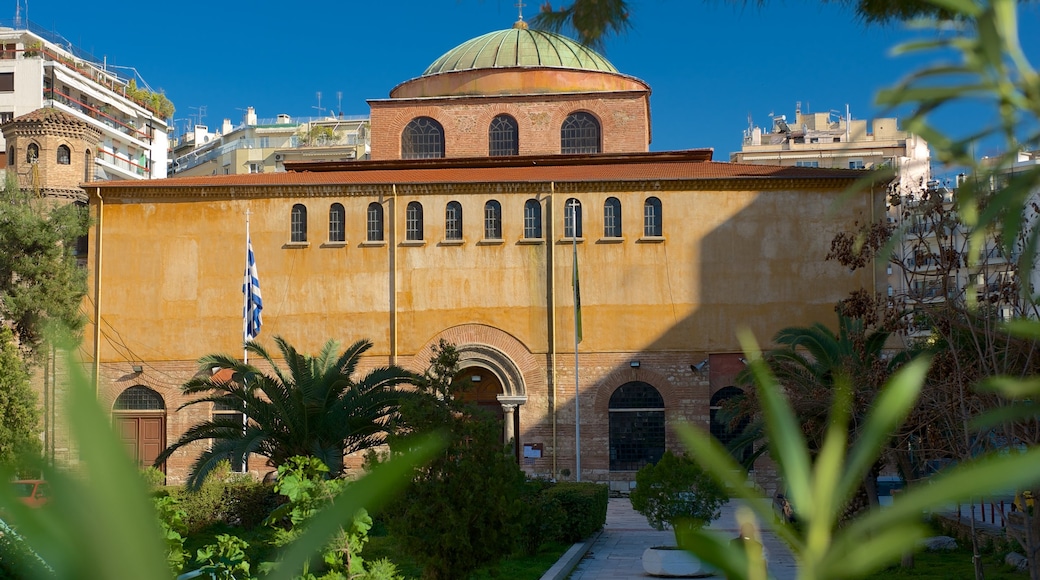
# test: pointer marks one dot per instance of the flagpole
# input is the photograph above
(245, 310)
(577, 339)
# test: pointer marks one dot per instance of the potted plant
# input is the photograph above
(676, 492)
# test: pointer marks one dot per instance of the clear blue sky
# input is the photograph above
(710, 64)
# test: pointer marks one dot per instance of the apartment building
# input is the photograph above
(265, 145)
(40, 69)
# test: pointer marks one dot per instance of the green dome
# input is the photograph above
(519, 47)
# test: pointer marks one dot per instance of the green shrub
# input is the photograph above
(584, 506)
(542, 520)
(228, 498)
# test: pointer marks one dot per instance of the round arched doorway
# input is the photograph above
(139, 414)
(487, 393)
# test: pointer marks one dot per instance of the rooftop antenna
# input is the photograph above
(200, 113)
(339, 102)
(319, 107)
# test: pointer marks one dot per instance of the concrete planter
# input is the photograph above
(672, 562)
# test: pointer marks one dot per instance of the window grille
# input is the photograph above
(503, 136)
(636, 425)
(423, 138)
(572, 219)
(139, 398)
(493, 220)
(453, 221)
(612, 218)
(298, 224)
(414, 222)
(580, 134)
(375, 222)
(532, 219)
(652, 217)
(337, 223)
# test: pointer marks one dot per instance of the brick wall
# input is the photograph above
(623, 119)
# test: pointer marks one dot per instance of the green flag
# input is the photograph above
(577, 299)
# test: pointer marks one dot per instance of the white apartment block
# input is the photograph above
(40, 69)
(265, 145)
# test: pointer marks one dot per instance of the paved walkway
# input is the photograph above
(617, 552)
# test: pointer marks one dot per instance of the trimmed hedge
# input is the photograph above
(585, 506)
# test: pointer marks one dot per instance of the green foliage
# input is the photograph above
(824, 546)
(225, 558)
(584, 506)
(153, 477)
(41, 286)
(676, 492)
(306, 406)
(543, 518)
(302, 480)
(463, 508)
(172, 529)
(158, 102)
(224, 497)
(19, 414)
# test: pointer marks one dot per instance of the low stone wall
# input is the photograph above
(990, 536)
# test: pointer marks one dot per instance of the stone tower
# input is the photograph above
(52, 153)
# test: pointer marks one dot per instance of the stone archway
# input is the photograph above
(498, 379)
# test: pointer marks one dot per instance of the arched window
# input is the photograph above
(298, 224)
(721, 427)
(413, 221)
(453, 221)
(572, 219)
(139, 398)
(612, 218)
(64, 155)
(423, 138)
(503, 136)
(32, 153)
(337, 223)
(652, 217)
(10, 157)
(532, 219)
(375, 222)
(580, 134)
(88, 166)
(493, 220)
(636, 412)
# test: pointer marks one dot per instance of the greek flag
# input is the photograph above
(253, 303)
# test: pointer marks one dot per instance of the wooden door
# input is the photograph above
(144, 436)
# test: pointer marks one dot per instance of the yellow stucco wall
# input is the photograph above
(172, 270)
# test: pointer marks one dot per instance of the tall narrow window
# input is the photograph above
(580, 134)
(298, 224)
(413, 221)
(64, 155)
(375, 222)
(88, 166)
(32, 153)
(636, 426)
(453, 221)
(652, 218)
(10, 157)
(337, 222)
(493, 220)
(503, 136)
(572, 219)
(423, 138)
(532, 219)
(612, 218)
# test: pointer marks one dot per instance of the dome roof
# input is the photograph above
(519, 47)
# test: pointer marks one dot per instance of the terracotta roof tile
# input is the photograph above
(639, 167)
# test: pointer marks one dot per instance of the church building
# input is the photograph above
(511, 173)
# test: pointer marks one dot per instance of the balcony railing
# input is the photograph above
(97, 114)
(120, 162)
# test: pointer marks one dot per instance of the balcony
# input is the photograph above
(123, 167)
(96, 116)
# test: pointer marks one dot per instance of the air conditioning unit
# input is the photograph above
(279, 156)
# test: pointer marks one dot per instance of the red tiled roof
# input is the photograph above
(681, 165)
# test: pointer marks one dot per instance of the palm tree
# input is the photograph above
(311, 407)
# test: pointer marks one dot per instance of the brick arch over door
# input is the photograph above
(495, 350)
